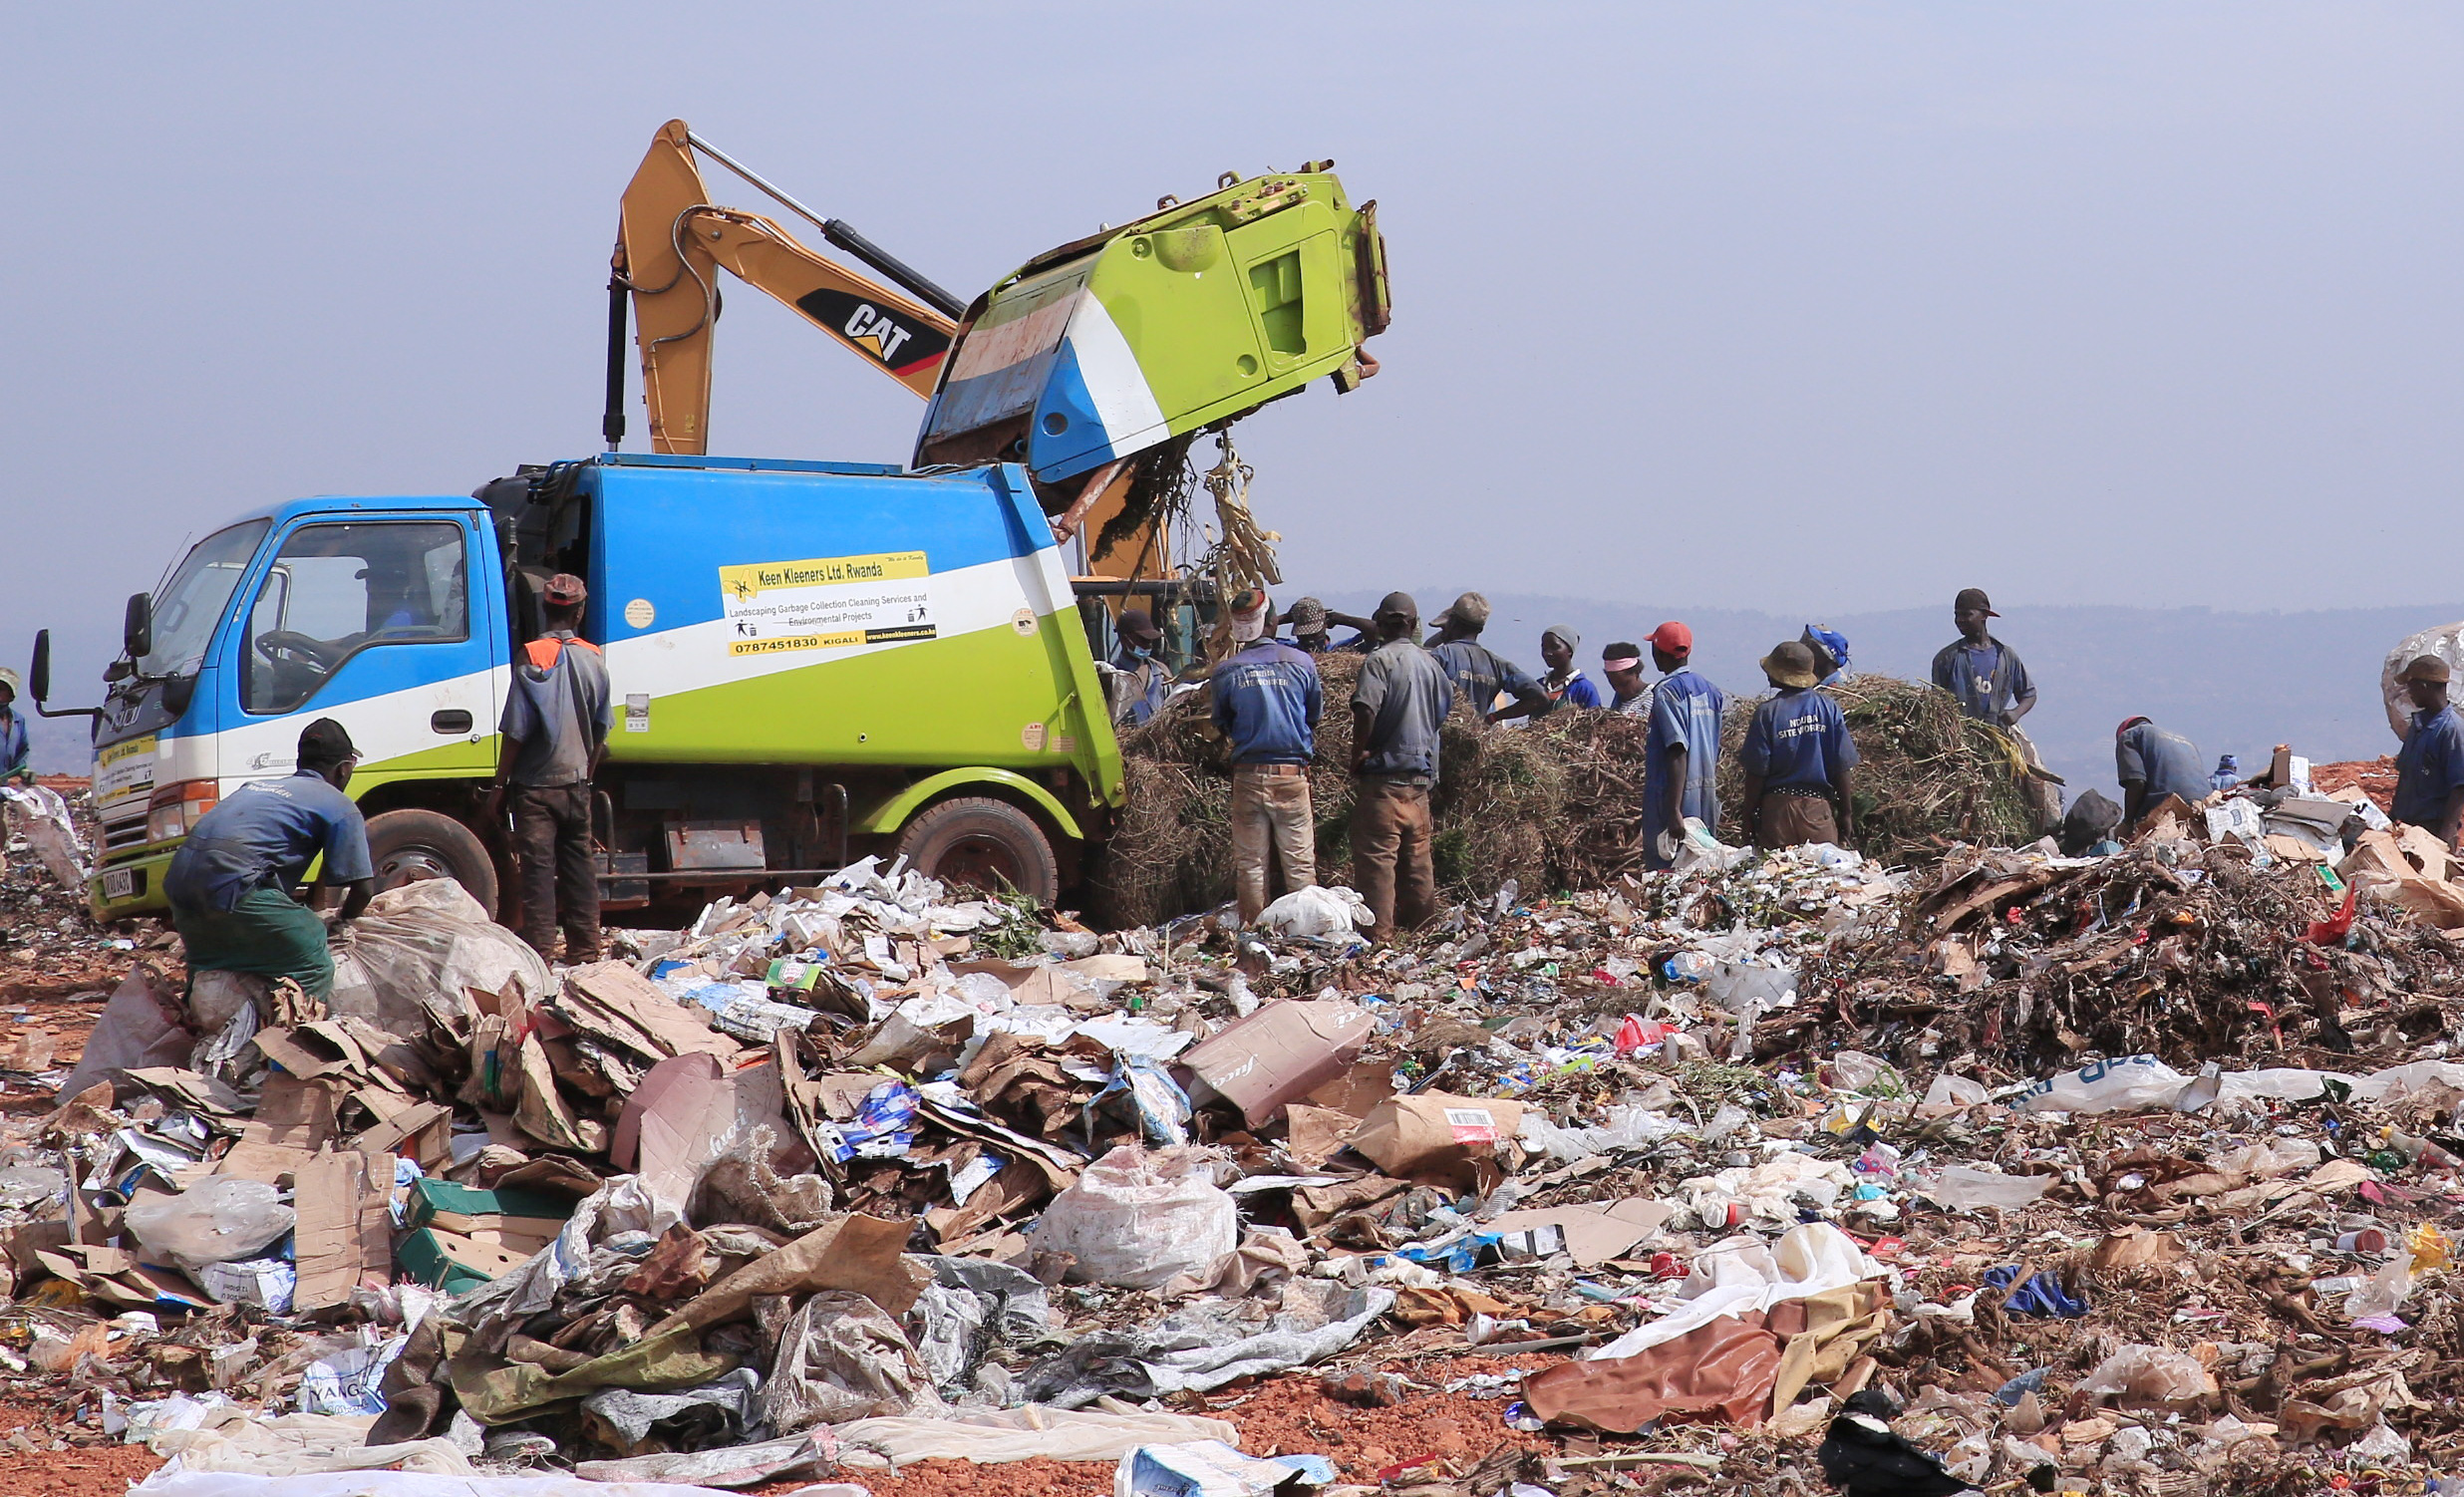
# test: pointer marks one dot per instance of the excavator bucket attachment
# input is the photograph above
(1189, 318)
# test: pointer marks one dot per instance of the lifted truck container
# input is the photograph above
(809, 661)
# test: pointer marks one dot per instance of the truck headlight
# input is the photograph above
(176, 808)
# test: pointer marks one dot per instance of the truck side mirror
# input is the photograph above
(38, 673)
(136, 627)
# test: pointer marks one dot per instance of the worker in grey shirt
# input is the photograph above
(2152, 764)
(555, 724)
(1398, 707)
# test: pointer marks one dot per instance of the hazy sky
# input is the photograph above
(1807, 308)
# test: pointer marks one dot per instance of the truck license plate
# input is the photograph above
(119, 883)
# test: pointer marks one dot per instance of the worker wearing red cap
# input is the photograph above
(556, 718)
(1681, 766)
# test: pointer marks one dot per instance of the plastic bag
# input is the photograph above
(39, 812)
(1138, 1220)
(2118, 1085)
(840, 1358)
(1321, 911)
(221, 1219)
(1960, 1188)
(139, 1027)
(417, 949)
(2149, 1374)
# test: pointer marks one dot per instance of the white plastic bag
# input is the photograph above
(39, 812)
(841, 1359)
(2126, 1084)
(2149, 1374)
(221, 1219)
(419, 948)
(1962, 1189)
(1318, 910)
(1138, 1220)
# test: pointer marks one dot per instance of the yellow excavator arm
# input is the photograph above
(670, 243)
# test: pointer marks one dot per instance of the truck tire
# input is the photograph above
(989, 844)
(409, 845)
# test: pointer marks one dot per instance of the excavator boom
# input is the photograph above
(673, 239)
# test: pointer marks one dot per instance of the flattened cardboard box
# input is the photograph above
(1285, 1050)
(1433, 1130)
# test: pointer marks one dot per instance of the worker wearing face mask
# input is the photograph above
(1143, 681)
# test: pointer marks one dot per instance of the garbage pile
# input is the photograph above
(1762, 1170)
(1551, 806)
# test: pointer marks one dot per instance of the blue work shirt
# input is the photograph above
(2165, 763)
(2430, 766)
(1575, 690)
(1797, 740)
(13, 746)
(1407, 695)
(1686, 710)
(1989, 679)
(1480, 672)
(263, 836)
(1267, 701)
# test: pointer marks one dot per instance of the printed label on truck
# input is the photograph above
(124, 770)
(827, 603)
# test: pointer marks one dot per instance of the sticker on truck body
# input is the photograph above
(827, 603)
(124, 768)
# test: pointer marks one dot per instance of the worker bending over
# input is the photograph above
(1267, 701)
(2429, 770)
(230, 883)
(2152, 764)
(556, 717)
(1798, 758)
(1481, 674)
(1398, 707)
(1681, 766)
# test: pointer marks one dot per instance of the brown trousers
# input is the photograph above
(1391, 859)
(559, 873)
(1788, 820)
(1271, 818)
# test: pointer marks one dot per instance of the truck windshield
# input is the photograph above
(191, 603)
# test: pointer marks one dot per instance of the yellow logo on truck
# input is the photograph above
(827, 603)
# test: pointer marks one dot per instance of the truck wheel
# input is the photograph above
(989, 844)
(409, 845)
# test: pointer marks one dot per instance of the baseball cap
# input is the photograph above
(1974, 599)
(565, 590)
(2425, 668)
(1829, 648)
(325, 741)
(1672, 638)
(2128, 723)
(1139, 624)
(1304, 612)
(1397, 605)
(1471, 609)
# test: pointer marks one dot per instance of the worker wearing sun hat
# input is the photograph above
(1267, 704)
(2429, 770)
(1798, 758)
(1681, 766)
(16, 750)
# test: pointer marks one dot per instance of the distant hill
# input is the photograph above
(2238, 683)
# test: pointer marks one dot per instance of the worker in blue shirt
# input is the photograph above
(1481, 674)
(1681, 766)
(1267, 703)
(16, 753)
(1398, 711)
(1142, 683)
(1830, 650)
(2151, 764)
(2228, 773)
(229, 885)
(2429, 772)
(1563, 685)
(1798, 758)
(1984, 672)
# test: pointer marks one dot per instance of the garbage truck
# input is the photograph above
(810, 661)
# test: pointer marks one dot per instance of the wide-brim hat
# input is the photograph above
(1790, 665)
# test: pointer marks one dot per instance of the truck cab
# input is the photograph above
(809, 661)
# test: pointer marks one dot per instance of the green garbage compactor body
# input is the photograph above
(1196, 315)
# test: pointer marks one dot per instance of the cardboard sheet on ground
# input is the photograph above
(1594, 1234)
(1407, 1135)
(1723, 1370)
(1282, 1051)
(687, 1111)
